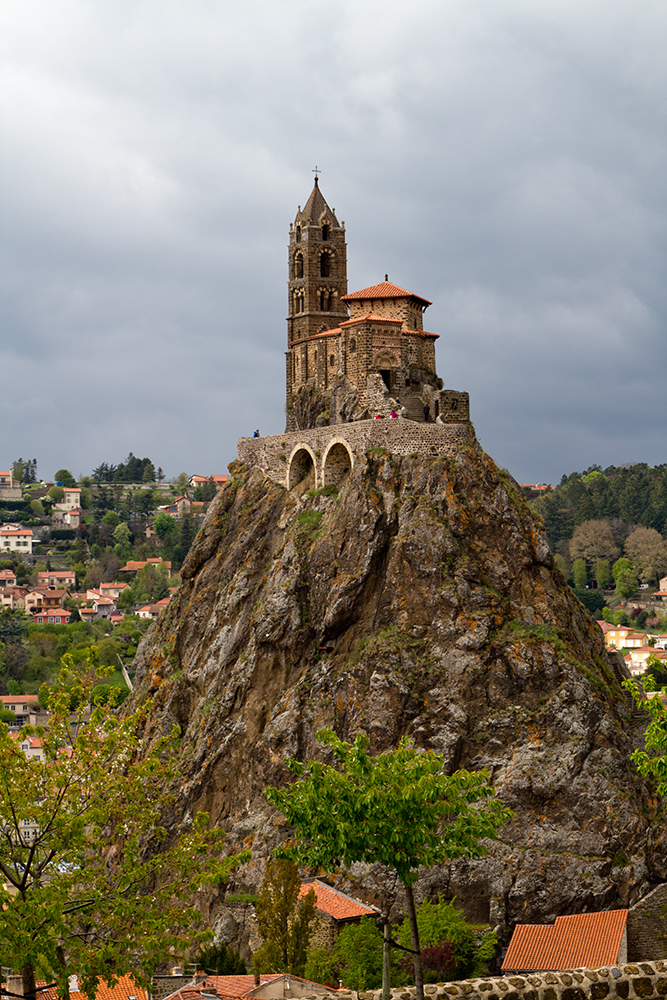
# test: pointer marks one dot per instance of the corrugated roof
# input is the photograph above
(385, 290)
(583, 940)
(336, 904)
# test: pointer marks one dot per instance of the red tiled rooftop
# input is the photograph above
(584, 940)
(234, 987)
(385, 290)
(336, 904)
(123, 990)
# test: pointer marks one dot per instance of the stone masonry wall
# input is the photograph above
(647, 925)
(626, 982)
(275, 454)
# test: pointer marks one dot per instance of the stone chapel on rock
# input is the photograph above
(351, 357)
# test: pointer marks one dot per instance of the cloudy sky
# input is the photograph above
(503, 158)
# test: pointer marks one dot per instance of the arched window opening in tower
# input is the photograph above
(298, 234)
(325, 265)
(298, 266)
(325, 301)
(332, 360)
(325, 233)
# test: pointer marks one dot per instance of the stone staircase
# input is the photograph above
(414, 406)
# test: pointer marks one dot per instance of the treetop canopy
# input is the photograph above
(399, 808)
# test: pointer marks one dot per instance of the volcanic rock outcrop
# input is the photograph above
(418, 599)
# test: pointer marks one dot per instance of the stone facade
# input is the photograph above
(324, 456)
(339, 367)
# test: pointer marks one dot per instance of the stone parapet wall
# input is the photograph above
(627, 982)
(275, 455)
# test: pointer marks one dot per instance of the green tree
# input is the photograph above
(579, 573)
(188, 530)
(651, 762)
(208, 490)
(94, 889)
(359, 955)
(182, 482)
(65, 478)
(602, 573)
(165, 527)
(219, 960)
(111, 518)
(122, 540)
(625, 578)
(56, 493)
(284, 921)
(442, 923)
(399, 809)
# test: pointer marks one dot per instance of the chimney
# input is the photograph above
(14, 984)
(177, 970)
(257, 973)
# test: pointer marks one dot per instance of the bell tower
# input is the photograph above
(317, 270)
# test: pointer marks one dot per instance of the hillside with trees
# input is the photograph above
(608, 530)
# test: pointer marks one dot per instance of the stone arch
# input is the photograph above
(337, 463)
(302, 469)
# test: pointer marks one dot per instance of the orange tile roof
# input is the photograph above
(385, 290)
(336, 904)
(372, 318)
(123, 990)
(233, 987)
(584, 940)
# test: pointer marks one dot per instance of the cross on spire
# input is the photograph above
(317, 172)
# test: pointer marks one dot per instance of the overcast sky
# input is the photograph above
(503, 158)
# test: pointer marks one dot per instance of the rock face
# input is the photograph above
(420, 599)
